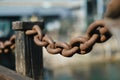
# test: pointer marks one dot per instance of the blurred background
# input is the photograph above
(64, 20)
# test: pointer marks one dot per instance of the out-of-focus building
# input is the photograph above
(72, 14)
(53, 11)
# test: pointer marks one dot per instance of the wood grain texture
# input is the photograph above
(19, 25)
(7, 74)
(29, 56)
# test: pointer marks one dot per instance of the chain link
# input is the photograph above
(100, 28)
(97, 32)
(8, 45)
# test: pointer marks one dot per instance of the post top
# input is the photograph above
(26, 25)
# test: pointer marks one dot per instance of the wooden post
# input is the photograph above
(29, 57)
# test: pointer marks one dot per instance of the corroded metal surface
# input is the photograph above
(8, 45)
(97, 33)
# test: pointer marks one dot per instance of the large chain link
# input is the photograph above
(97, 33)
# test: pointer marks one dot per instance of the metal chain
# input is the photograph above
(97, 33)
(8, 45)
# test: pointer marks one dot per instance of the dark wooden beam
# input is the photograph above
(7, 74)
(19, 25)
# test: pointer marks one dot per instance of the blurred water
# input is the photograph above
(108, 71)
(97, 71)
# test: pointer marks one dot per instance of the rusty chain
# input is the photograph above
(97, 32)
(8, 45)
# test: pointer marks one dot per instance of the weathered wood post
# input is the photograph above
(29, 57)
